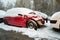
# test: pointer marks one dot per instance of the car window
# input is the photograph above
(32, 13)
(20, 15)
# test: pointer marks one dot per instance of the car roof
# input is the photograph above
(15, 11)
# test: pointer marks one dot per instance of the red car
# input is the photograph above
(30, 20)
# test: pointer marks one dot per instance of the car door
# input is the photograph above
(18, 20)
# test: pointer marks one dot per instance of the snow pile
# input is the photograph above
(41, 14)
(31, 33)
(16, 11)
(2, 13)
(35, 34)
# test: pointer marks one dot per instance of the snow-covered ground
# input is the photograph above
(44, 32)
(6, 3)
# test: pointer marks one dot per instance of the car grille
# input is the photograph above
(53, 21)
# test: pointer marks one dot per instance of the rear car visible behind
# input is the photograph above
(55, 20)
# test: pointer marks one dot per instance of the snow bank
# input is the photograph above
(16, 11)
(31, 33)
(2, 13)
(40, 33)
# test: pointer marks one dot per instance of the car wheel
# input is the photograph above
(5, 22)
(32, 24)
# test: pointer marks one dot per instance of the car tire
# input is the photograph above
(32, 24)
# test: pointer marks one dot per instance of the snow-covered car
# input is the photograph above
(23, 17)
(55, 20)
(43, 15)
(2, 13)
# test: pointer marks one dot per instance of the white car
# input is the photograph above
(2, 13)
(55, 20)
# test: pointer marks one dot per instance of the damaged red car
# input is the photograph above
(29, 20)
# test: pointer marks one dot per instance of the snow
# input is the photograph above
(26, 31)
(41, 14)
(16, 11)
(31, 32)
(37, 35)
(2, 13)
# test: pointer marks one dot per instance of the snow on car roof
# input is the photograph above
(15, 11)
(41, 14)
